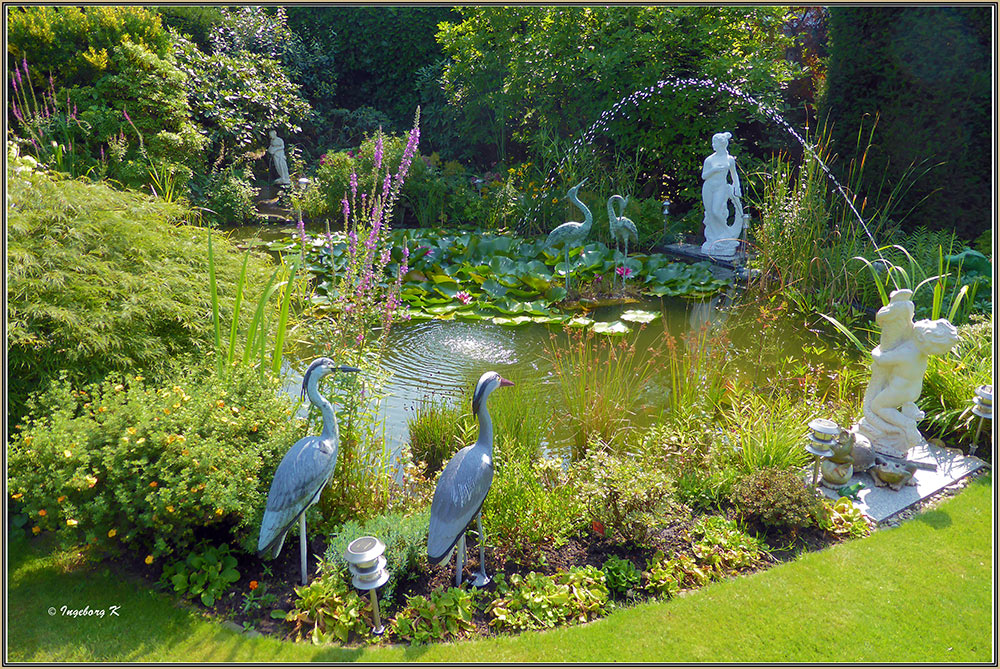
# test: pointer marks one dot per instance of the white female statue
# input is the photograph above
(890, 412)
(721, 237)
(277, 151)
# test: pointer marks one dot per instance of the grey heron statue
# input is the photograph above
(573, 233)
(622, 227)
(462, 489)
(303, 473)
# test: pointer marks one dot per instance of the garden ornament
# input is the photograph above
(838, 469)
(889, 410)
(462, 489)
(303, 473)
(277, 151)
(982, 407)
(721, 237)
(571, 233)
(367, 567)
(622, 228)
(851, 491)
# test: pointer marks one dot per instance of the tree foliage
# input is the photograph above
(925, 73)
(527, 77)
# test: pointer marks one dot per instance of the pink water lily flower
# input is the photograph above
(624, 272)
(464, 297)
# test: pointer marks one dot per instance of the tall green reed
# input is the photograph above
(603, 380)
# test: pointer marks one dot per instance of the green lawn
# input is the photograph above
(922, 592)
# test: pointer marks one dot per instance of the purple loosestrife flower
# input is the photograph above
(301, 226)
(127, 117)
(354, 184)
(411, 147)
(346, 208)
(17, 112)
(378, 150)
(17, 77)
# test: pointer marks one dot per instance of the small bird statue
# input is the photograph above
(622, 228)
(462, 489)
(573, 233)
(303, 473)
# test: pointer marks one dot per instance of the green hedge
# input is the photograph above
(926, 73)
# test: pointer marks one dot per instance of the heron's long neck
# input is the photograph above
(587, 217)
(330, 429)
(485, 427)
(611, 214)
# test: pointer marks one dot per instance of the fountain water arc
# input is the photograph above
(675, 83)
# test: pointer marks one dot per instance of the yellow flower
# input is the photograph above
(166, 411)
(71, 522)
(139, 377)
(177, 389)
(91, 480)
(171, 438)
(218, 512)
(18, 495)
(180, 438)
(130, 430)
(112, 533)
(67, 454)
(43, 512)
(119, 387)
(140, 440)
(36, 529)
(149, 559)
(170, 509)
(101, 410)
(220, 404)
(61, 498)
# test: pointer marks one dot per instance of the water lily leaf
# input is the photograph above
(441, 309)
(555, 294)
(502, 265)
(579, 322)
(521, 293)
(472, 315)
(493, 288)
(511, 320)
(639, 316)
(614, 327)
(663, 291)
(448, 289)
(440, 277)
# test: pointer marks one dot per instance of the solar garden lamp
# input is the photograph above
(982, 407)
(823, 432)
(367, 567)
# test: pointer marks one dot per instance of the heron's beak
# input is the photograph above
(505, 382)
(582, 182)
(345, 368)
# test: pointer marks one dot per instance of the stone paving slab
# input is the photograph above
(880, 503)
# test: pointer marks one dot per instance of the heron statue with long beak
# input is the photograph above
(573, 233)
(303, 473)
(462, 489)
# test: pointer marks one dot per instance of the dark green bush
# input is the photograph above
(239, 98)
(229, 197)
(101, 280)
(377, 49)
(405, 539)
(144, 468)
(631, 500)
(926, 73)
(776, 498)
(621, 575)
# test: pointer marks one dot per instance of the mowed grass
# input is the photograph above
(922, 592)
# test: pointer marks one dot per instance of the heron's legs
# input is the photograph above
(625, 263)
(481, 578)
(302, 547)
(460, 560)
(566, 255)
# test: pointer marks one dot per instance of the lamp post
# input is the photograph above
(982, 407)
(824, 431)
(367, 567)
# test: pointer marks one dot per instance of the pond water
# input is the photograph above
(442, 360)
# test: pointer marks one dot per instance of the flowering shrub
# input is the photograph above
(128, 466)
(777, 498)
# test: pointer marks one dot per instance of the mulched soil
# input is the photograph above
(279, 576)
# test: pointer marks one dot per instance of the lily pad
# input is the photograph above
(639, 316)
(614, 327)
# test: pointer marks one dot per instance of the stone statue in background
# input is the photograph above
(277, 151)
(721, 237)
(889, 409)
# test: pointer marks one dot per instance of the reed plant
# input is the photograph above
(767, 431)
(602, 380)
(437, 431)
(696, 366)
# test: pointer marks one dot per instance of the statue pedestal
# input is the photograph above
(721, 248)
